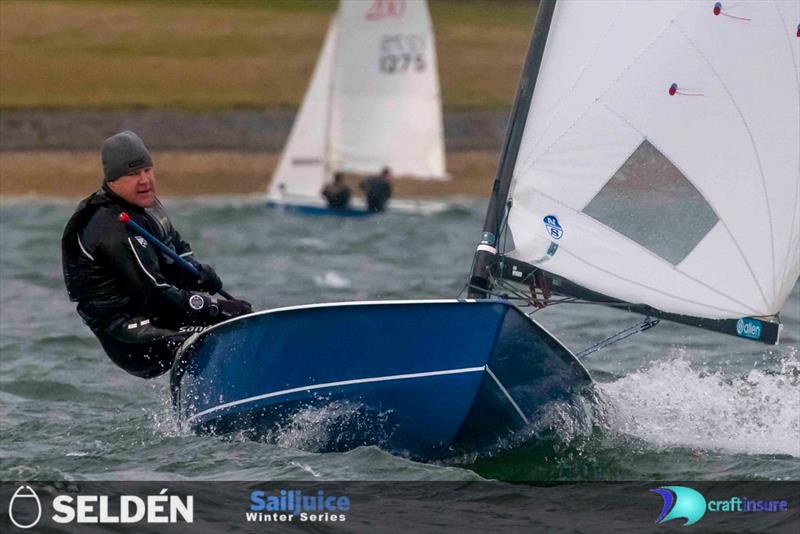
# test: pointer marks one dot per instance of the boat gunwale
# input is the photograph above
(181, 359)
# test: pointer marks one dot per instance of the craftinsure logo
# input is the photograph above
(289, 505)
(681, 502)
(25, 509)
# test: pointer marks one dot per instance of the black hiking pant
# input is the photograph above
(141, 348)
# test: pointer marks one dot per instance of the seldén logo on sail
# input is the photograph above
(681, 502)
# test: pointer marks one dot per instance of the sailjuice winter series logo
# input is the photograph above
(681, 502)
(288, 505)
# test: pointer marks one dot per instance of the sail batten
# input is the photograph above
(660, 161)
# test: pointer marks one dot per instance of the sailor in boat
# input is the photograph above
(378, 190)
(137, 302)
(337, 194)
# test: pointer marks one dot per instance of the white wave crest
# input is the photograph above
(332, 280)
(333, 426)
(672, 405)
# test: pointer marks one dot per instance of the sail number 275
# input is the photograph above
(402, 53)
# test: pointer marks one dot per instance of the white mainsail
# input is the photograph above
(373, 101)
(302, 170)
(660, 161)
(386, 108)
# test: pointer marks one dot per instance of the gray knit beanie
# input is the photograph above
(123, 153)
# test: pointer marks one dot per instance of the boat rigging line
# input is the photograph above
(642, 326)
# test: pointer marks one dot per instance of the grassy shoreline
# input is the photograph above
(75, 54)
(124, 55)
(73, 174)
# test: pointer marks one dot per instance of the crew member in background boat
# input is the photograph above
(378, 190)
(337, 194)
(139, 303)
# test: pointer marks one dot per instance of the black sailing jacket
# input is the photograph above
(111, 272)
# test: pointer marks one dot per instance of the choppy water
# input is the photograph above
(679, 403)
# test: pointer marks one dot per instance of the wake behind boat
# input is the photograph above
(373, 102)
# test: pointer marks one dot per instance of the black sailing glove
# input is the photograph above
(211, 311)
(209, 281)
(233, 308)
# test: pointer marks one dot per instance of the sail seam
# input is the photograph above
(676, 297)
(794, 226)
(574, 85)
(699, 188)
(531, 161)
(656, 257)
(644, 138)
(788, 32)
(752, 144)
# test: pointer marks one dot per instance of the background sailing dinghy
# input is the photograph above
(655, 168)
(373, 101)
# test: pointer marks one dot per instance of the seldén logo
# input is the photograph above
(25, 509)
(24, 498)
(681, 502)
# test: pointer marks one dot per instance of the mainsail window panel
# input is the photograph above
(651, 202)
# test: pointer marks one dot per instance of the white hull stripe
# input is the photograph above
(337, 384)
(508, 395)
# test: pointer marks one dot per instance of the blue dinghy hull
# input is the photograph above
(425, 379)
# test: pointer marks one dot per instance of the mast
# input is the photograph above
(326, 156)
(487, 249)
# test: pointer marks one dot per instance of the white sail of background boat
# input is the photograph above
(657, 161)
(373, 102)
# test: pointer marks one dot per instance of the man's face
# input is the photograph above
(138, 188)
